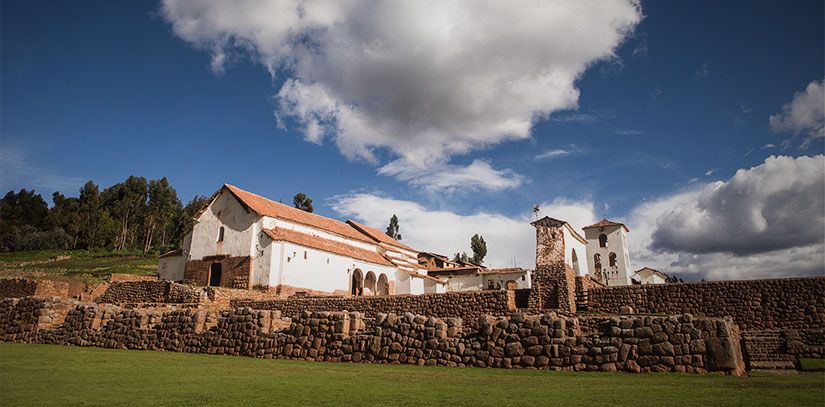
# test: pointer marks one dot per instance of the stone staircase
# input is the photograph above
(767, 350)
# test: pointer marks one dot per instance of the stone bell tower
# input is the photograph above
(553, 282)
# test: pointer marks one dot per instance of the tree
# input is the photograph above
(90, 214)
(392, 229)
(479, 247)
(302, 202)
(673, 279)
(461, 257)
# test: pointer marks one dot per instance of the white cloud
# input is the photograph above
(767, 146)
(448, 232)
(710, 171)
(552, 154)
(449, 178)
(805, 114)
(425, 79)
(18, 169)
(702, 72)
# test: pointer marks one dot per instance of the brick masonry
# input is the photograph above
(548, 341)
(791, 303)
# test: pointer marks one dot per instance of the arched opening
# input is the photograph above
(602, 240)
(215, 275)
(575, 260)
(369, 283)
(611, 259)
(220, 234)
(357, 284)
(597, 265)
(383, 287)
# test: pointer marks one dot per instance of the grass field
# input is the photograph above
(90, 267)
(63, 375)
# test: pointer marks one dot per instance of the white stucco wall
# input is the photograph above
(171, 268)
(270, 223)
(500, 279)
(616, 243)
(240, 229)
(298, 266)
(572, 244)
(465, 282)
(652, 279)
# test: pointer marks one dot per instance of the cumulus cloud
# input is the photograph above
(425, 79)
(715, 231)
(805, 114)
(776, 205)
(447, 232)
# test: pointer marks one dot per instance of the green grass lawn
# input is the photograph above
(64, 375)
(82, 265)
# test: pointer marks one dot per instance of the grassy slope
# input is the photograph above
(58, 375)
(83, 265)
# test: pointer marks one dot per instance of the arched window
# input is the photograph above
(220, 234)
(612, 259)
(602, 240)
(369, 283)
(597, 263)
(383, 287)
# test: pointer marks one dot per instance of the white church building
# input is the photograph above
(607, 253)
(244, 240)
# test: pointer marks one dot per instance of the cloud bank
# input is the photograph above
(425, 80)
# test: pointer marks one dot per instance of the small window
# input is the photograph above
(597, 263)
(327, 260)
(612, 259)
(305, 254)
(220, 234)
(602, 240)
(523, 278)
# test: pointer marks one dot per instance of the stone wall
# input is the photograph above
(130, 292)
(24, 287)
(235, 271)
(792, 303)
(553, 282)
(118, 277)
(631, 344)
(460, 304)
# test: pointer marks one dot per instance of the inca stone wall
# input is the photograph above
(459, 304)
(631, 344)
(792, 303)
(133, 292)
(24, 287)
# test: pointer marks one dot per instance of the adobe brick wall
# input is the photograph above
(24, 287)
(460, 304)
(630, 344)
(791, 303)
(235, 271)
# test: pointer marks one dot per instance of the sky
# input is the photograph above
(698, 124)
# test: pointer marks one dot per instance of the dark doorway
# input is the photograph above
(215, 275)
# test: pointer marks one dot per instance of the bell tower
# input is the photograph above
(553, 282)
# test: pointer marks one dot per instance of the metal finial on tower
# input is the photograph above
(536, 210)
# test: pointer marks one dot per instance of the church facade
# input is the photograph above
(243, 240)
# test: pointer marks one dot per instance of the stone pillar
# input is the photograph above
(553, 283)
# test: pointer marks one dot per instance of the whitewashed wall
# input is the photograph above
(171, 268)
(240, 229)
(572, 244)
(616, 243)
(522, 279)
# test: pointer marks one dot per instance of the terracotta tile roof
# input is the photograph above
(504, 270)
(455, 270)
(379, 236)
(329, 246)
(606, 223)
(267, 207)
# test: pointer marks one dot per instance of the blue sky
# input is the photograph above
(103, 90)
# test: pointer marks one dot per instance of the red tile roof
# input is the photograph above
(504, 270)
(267, 207)
(379, 236)
(606, 223)
(329, 246)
